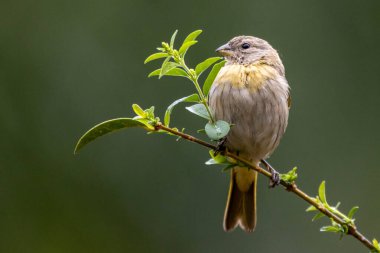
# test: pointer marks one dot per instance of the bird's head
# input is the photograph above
(247, 50)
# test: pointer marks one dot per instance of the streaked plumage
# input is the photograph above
(251, 93)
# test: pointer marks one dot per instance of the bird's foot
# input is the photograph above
(275, 178)
(221, 146)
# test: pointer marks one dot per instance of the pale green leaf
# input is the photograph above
(206, 64)
(138, 110)
(150, 112)
(185, 46)
(334, 229)
(218, 158)
(311, 208)
(322, 192)
(191, 98)
(108, 127)
(177, 72)
(211, 77)
(376, 244)
(217, 130)
(352, 212)
(166, 67)
(155, 57)
(155, 73)
(173, 72)
(164, 63)
(172, 39)
(192, 36)
(291, 176)
(317, 216)
(200, 110)
(145, 121)
(211, 161)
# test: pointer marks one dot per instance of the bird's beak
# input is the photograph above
(224, 50)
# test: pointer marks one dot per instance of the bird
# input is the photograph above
(251, 93)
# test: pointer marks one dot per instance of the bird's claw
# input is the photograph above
(221, 146)
(275, 178)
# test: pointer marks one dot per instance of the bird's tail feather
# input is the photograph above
(241, 202)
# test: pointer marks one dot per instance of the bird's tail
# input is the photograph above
(241, 202)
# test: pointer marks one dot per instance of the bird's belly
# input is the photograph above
(259, 117)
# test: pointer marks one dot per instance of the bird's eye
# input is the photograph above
(245, 45)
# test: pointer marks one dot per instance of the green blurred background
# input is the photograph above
(67, 65)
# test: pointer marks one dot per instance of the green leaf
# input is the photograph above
(150, 112)
(218, 130)
(211, 161)
(108, 127)
(376, 244)
(138, 110)
(155, 73)
(164, 63)
(311, 208)
(290, 177)
(155, 57)
(177, 72)
(189, 41)
(185, 46)
(217, 159)
(211, 77)
(192, 36)
(191, 98)
(206, 64)
(173, 38)
(322, 192)
(334, 229)
(352, 212)
(166, 67)
(144, 120)
(200, 110)
(317, 216)
(172, 72)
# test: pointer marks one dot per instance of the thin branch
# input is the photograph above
(291, 187)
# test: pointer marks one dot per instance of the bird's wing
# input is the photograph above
(289, 100)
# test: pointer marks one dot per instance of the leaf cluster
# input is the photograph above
(174, 65)
(334, 227)
(218, 159)
(290, 177)
(376, 245)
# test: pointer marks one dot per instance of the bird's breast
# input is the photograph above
(253, 99)
(252, 77)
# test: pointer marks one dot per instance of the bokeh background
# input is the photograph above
(67, 65)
